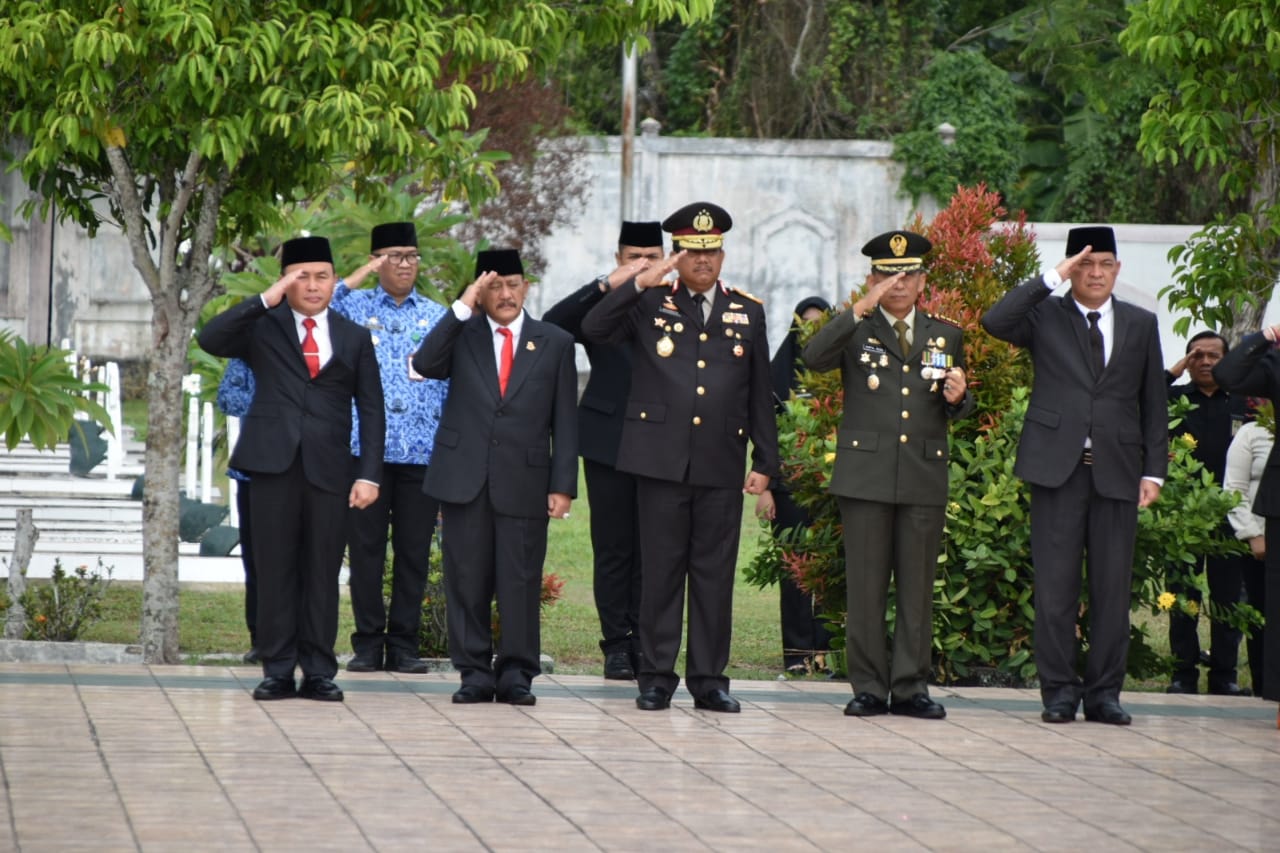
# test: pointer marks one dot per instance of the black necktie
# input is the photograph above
(1096, 348)
(699, 303)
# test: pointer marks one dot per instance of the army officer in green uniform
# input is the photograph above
(903, 375)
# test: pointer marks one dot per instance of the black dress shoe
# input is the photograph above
(617, 666)
(1108, 712)
(1180, 686)
(1230, 688)
(365, 662)
(252, 656)
(919, 706)
(519, 695)
(275, 688)
(717, 700)
(1059, 712)
(408, 664)
(320, 688)
(865, 705)
(472, 694)
(654, 699)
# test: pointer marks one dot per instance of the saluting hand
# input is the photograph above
(276, 292)
(874, 291)
(655, 273)
(1068, 264)
(471, 296)
(628, 271)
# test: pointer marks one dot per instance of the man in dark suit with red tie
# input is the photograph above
(309, 365)
(505, 461)
(1093, 449)
(615, 544)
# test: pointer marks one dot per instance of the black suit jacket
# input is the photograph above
(690, 412)
(524, 445)
(1124, 410)
(893, 432)
(1253, 367)
(294, 414)
(604, 399)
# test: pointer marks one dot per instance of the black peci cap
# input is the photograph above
(1101, 237)
(642, 235)
(502, 261)
(304, 250)
(393, 234)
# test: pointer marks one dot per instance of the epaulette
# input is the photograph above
(745, 295)
(946, 320)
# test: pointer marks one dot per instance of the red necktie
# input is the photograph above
(504, 366)
(310, 349)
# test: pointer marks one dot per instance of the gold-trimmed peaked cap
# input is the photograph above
(897, 251)
(700, 225)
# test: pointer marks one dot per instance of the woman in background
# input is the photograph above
(804, 635)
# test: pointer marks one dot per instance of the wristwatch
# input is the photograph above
(602, 282)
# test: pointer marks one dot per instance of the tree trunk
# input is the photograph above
(168, 359)
(25, 535)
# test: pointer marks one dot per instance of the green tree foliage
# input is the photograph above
(966, 91)
(1221, 111)
(193, 124)
(40, 396)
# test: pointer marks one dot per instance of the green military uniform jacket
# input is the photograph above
(893, 435)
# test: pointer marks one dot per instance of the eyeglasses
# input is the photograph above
(397, 259)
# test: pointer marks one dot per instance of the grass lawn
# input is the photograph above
(211, 619)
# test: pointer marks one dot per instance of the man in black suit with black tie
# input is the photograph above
(505, 461)
(1094, 450)
(615, 543)
(700, 389)
(309, 364)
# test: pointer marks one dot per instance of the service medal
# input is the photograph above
(884, 360)
(665, 347)
(737, 350)
(873, 382)
(678, 327)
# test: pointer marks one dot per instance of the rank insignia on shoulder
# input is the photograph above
(740, 292)
(946, 320)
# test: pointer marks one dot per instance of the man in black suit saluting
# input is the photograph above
(309, 365)
(1094, 449)
(505, 461)
(615, 536)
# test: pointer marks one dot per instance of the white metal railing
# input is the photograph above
(107, 374)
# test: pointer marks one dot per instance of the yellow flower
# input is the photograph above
(1166, 600)
(1189, 440)
(830, 457)
(1191, 608)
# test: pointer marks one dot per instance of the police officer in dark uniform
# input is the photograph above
(903, 375)
(700, 390)
(615, 540)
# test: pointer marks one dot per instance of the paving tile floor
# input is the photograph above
(106, 758)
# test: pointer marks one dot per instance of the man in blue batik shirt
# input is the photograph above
(399, 318)
(235, 394)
